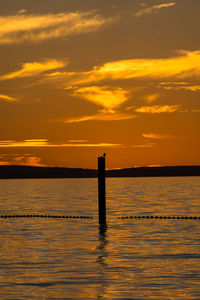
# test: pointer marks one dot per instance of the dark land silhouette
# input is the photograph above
(15, 172)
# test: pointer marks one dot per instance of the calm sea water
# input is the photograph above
(72, 259)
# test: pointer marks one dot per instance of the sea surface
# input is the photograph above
(47, 258)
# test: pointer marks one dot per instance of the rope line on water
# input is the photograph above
(89, 217)
(161, 217)
(45, 216)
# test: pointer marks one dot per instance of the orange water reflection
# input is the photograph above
(75, 259)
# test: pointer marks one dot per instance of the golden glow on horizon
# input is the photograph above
(18, 159)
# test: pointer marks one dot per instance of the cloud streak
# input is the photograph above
(32, 143)
(21, 28)
(35, 68)
(180, 86)
(158, 109)
(7, 98)
(184, 65)
(155, 136)
(101, 116)
(153, 9)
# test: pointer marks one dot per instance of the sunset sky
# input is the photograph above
(80, 78)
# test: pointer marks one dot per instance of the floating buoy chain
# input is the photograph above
(46, 216)
(88, 217)
(161, 217)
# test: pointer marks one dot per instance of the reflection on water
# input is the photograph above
(101, 261)
(77, 259)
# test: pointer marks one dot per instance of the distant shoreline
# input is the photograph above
(31, 172)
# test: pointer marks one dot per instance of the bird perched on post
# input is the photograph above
(104, 155)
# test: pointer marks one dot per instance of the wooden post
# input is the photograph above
(102, 190)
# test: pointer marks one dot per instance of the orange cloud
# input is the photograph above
(25, 143)
(155, 136)
(88, 84)
(5, 163)
(20, 28)
(45, 143)
(158, 109)
(101, 116)
(184, 65)
(7, 98)
(148, 145)
(152, 97)
(35, 68)
(77, 141)
(20, 160)
(153, 9)
(108, 98)
(22, 11)
(33, 161)
(180, 86)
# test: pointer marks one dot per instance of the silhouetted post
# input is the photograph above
(102, 189)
